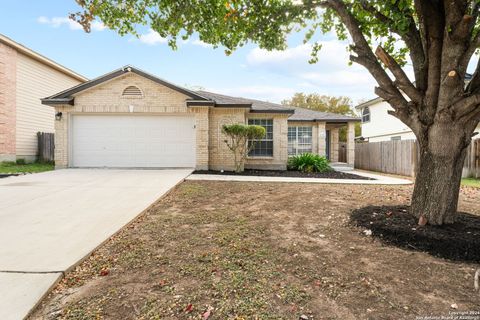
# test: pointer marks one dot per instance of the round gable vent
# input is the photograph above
(132, 91)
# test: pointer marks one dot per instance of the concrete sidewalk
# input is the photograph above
(380, 180)
(51, 221)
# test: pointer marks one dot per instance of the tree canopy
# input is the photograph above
(315, 101)
(325, 103)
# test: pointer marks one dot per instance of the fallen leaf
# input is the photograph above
(104, 272)
(207, 313)
(189, 308)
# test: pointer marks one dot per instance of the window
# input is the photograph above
(132, 92)
(396, 138)
(299, 140)
(263, 147)
(366, 114)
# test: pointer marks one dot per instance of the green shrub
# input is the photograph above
(21, 161)
(309, 162)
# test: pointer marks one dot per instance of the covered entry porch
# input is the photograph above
(323, 138)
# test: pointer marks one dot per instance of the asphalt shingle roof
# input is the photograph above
(216, 99)
(298, 114)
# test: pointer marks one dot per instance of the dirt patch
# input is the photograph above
(235, 250)
(395, 225)
(287, 173)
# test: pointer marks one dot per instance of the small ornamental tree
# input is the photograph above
(241, 140)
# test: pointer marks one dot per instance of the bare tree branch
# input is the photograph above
(466, 108)
(401, 78)
(412, 39)
(365, 55)
(432, 26)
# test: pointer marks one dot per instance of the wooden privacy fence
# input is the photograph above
(396, 157)
(46, 146)
(471, 167)
(401, 157)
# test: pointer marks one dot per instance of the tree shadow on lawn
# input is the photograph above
(394, 225)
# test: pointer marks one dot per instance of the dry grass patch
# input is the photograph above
(261, 251)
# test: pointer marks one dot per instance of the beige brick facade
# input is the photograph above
(107, 99)
(280, 144)
(8, 103)
(221, 158)
(157, 99)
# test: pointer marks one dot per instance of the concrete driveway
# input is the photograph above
(49, 221)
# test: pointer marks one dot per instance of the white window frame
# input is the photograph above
(255, 121)
(295, 144)
(365, 114)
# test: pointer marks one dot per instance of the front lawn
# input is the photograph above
(471, 182)
(12, 167)
(230, 250)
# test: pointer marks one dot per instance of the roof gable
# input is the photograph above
(66, 96)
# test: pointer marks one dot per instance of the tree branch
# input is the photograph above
(412, 39)
(467, 107)
(402, 80)
(364, 53)
(432, 25)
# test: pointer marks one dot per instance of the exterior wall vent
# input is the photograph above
(133, 92)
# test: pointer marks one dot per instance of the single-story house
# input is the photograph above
(129, 118)
(25, 77)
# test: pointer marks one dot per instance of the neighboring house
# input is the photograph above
(25, 77)
(129, 118)
(378, 125)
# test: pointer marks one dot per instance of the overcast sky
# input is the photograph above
(249, 72)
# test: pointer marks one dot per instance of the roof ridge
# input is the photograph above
(243, 98)
(324, 112)
(114, 74)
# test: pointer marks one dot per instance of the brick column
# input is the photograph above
(321, 139)
(201, 129)
(334, 145)
(351, 143)
(8, 103)
(61, 138)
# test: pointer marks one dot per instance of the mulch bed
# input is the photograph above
(394, 225)
(287, 173)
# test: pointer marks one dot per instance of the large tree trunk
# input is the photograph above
(437, 184)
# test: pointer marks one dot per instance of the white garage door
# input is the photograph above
(119, 141)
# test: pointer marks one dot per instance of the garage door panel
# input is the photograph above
(133, 141)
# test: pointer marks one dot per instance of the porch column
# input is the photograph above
(321, 139)
(351, 143)
(334, 137)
